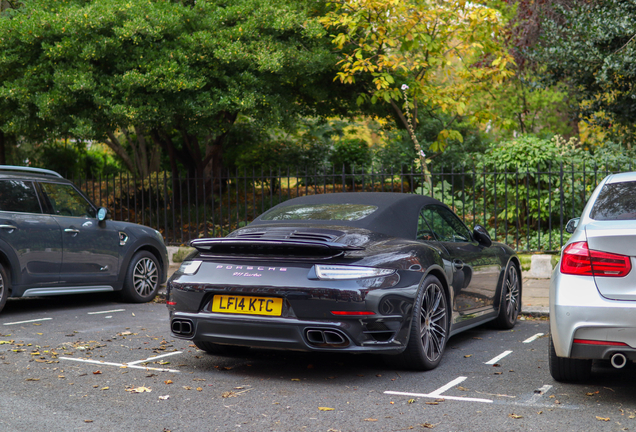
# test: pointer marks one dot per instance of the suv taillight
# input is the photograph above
(578, 259)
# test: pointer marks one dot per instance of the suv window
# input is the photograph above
(67, 201)
(443, 225)
(615, 201)
(18, 196)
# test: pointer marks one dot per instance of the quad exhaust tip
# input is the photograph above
(182, 327)
(332, 338)
(618, 360)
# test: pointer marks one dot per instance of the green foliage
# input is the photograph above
(348, 153)
(139, 75)
(592, 46)
(70, 158)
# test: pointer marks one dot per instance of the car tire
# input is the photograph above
(565, 369)
(429, 328)
(216, 349)
(142, 278)
(510, 304)
(4, 287)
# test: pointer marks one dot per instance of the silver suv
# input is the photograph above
(54, 240)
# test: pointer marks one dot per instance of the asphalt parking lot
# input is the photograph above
(87, 363)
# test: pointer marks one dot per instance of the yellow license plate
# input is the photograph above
(247, 305)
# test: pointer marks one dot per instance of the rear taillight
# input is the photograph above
(578, 259)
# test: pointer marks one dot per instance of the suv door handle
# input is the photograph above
(71, 231)
(8, 227)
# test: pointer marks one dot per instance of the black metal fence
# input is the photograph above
(526, 209)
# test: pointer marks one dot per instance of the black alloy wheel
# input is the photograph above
(510, 304)
(142, 278)
(429, 327)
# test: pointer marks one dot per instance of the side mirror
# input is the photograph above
(102, 213)
(481, 235)
(572, 224)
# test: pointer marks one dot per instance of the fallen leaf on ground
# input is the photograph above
(602, 418)
(411, 401)
(461, 388)
(326, 409)
(104, 388)
(468, 355)
(97, 372)
(164, 397)
(141, 389)
(32, 379)
(515, 416)
(88, 421)
(370, 419)
(432, 403)
(428, 425)
(295, 379)
(168, 382)
(228, 394)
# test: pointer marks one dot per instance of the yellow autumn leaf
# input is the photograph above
(326, 409)
(602, 418)
(141, 389)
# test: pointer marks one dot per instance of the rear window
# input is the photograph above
(616, 201)
(343, 212)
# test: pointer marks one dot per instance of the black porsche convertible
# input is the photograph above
(385, 273)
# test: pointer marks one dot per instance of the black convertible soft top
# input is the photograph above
(397, 213)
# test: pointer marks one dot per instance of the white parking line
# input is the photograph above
(453, 383)
(538, 393)
(29, 321)
(499, 357)
(108, 311)
(121, 365)
(533, 338)
(153, 358)
(437, 394)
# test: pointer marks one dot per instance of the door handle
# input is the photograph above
(8, 227)
(71, 231)
(458, 264)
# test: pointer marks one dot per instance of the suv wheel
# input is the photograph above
(4, 287)
(568, 369)
(142, 278)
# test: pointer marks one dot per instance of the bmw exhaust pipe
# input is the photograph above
(618, 360)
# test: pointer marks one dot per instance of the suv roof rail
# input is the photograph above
(30, 169)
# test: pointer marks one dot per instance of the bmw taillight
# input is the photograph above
(578, 259)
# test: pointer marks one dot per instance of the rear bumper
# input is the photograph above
(579, 311)
(292, 333)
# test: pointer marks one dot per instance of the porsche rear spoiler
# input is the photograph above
(271, 248)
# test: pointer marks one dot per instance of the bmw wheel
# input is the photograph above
(429, 327)
(568, 369)
(142, 278)
(510, 304)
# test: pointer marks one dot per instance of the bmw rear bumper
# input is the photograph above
(579, 311)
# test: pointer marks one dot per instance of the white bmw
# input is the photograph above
(593, 289)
